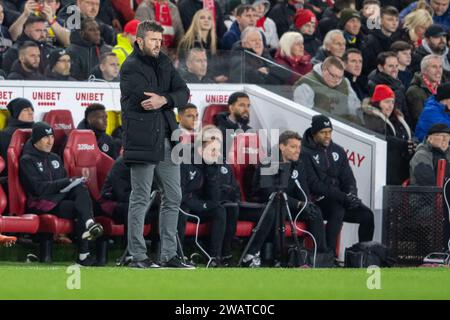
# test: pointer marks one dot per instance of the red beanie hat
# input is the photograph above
(382, 92)
(303, 16)
(131, 27)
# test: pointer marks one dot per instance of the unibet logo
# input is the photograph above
(84, 146)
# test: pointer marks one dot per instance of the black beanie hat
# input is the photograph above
(438, 128)
(54, 57)
(320, 122)
(15, 106)
(40, 130)
(443, 92)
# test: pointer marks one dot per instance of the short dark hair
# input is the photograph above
(105, 55)
(340, 5)
(400, 46)
(33, 19)
(389, 11)
(382, 57)
(28, 44)
(92, 108)
(188, 105)
(146, 26)
(85, 21)
(243, 8)
(350, 51)
(235, 96)
(288, 134)
(367, 2)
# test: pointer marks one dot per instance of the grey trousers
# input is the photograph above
(167, 175)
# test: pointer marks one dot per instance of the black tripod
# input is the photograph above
(279, 199)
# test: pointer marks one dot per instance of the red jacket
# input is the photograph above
(301, 66)
(123, 7)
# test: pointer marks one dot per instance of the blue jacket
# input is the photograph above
(231, 37)
(433, 112)
(443, 20)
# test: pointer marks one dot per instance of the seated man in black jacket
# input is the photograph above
(95, 119)
(289, 151)
(210, 191)
(44, 180)
(334, 183)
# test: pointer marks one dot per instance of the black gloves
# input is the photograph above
(352, 201)
(412, 145)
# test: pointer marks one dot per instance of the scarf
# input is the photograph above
(164, 17)
(432, 87)
(260, 24)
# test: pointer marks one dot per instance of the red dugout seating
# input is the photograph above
(210, 112)
(62, 123)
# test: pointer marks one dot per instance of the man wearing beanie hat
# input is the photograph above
(436, 110)
(48, 190)
(305, 22)
(125, 41)
(58, 68)
(333, 182)
(22, 117)
(381, 116)
(350, 23)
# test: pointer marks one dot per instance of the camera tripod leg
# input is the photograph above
(291, 222)
(258, 226)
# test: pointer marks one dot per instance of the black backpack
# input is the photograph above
(365, 254)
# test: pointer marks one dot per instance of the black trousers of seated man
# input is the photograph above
(223, 228)
(336, 214)
(77, 206)
(312, 218)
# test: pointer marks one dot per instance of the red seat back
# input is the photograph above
(16, 194)
(210, 112)
(3, 200)
(82, 153)
(245, 153)
(62, 123)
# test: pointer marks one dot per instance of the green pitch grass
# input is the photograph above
(37, 281)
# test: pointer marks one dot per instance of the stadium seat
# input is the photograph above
(48, 224)
(62, 123)
(210, 112)
(114, 121)
(4, 115)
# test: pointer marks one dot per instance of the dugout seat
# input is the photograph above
(62, 123)
(211, 111)
(49, 224)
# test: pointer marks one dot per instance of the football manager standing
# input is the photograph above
(150, 89)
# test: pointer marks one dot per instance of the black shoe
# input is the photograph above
(143, 264)
(94, 231)
(89, 261)
(227, 260)
(176, 263)
(214, 263)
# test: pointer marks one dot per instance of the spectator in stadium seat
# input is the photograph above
(287, 150)
(22, 117)
(58, 68)
(125, 41)
(435, 42)
(196, 70)
(381, 116)
(149, 82)
(333, 46)
(107, 69)
(245, 17)
(416, 23)
(188, 9)
(370, 14)
(266, 24)
(95, 119)
(283, 13)
(326, 88)
(423, 85)
(292, 55)
(34, 30)
(90, 9)
(379, 39)
(237, 118)
(350, 23)
(188, 115)
(403, 50)
(5, 37)
(353, 72)
(331, 16)
(305, 22)
(43, 176)
(250, 60)
(85, 49)
(436, 110)
(26, 67)
(207, 187)
(168, 16)
(440, 8)
(387, 73)
(334, 182)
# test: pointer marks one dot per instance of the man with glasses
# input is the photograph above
(325, 88)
